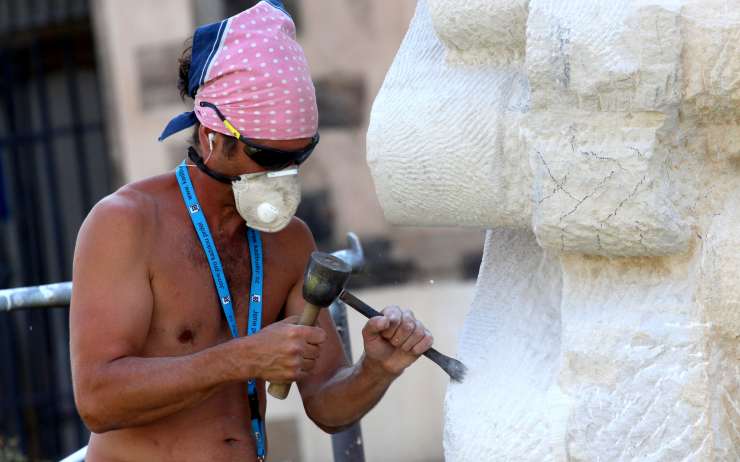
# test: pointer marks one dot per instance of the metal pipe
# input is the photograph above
(60, 294)
(78, 456)
(348, 445)
(46, 296)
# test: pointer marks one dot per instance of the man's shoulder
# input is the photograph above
(295, 244)
(134, 205)
(297, 234)
(147, 191)
(299, 228)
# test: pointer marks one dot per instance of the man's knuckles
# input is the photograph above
(294, 362)
(310, 353)
(296, 332)
(376, 325)
(416, 336)
(392, 311)
(317, 336)
(425, 344)
(294, 348)
(301, 349)
(308, 334)
(408, 326)
(390, 331)
(402, 332)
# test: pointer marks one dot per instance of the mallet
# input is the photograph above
(323, 280)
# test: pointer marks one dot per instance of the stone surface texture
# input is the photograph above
(599, 143)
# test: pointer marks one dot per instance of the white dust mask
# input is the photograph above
(268, 200)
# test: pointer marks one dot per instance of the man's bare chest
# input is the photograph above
(187, 315)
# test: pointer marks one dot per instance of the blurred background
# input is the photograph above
(85, 89)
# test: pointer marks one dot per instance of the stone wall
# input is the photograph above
(599, 142)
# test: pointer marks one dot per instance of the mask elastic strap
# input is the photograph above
(198, 161)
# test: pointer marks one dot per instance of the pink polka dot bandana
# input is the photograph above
(253, 69)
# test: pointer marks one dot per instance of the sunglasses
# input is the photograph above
(269, 158)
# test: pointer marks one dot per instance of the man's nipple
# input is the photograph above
(186, 336)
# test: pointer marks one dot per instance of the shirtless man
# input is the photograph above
(158, 374)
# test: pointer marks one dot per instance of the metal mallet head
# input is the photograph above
(324, 279)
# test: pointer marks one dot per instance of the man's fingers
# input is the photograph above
(395, 316)
(314, 335)
(375, 326)
(311, 352)
(308, 364)
(405, 329)
(416, 336)
(424, 344)
(291, 319)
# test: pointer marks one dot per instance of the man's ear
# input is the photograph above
(211, 137)
(203, 132)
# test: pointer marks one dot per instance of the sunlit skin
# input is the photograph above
(156, 374)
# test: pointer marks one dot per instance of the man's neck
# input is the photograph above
(217, 201)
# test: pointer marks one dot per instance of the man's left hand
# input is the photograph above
(395, 340)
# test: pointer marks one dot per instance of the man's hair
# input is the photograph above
(183, 82)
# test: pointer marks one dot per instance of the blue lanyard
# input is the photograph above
(222, 287)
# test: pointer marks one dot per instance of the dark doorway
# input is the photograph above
(232, 7)
(54, 166)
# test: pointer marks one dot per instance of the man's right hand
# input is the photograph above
(284, 351)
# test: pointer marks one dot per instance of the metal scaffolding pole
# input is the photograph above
(25, 298)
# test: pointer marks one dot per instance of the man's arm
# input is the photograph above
(111, 310)
(336, 394)
(110, 314)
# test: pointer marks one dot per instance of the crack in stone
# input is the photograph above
(559, 186)
(593, 155)
(562, 239)
(554, 191)
(572, 132)
(624, 201)
(642, 238)
(578, 204)
(563, 37)
(589, 195)
(539, 202)
(639, 153)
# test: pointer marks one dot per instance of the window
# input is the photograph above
(208, 11)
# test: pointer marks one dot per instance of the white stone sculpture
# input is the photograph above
(599, 141)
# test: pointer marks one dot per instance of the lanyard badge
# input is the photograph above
(224, 296)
